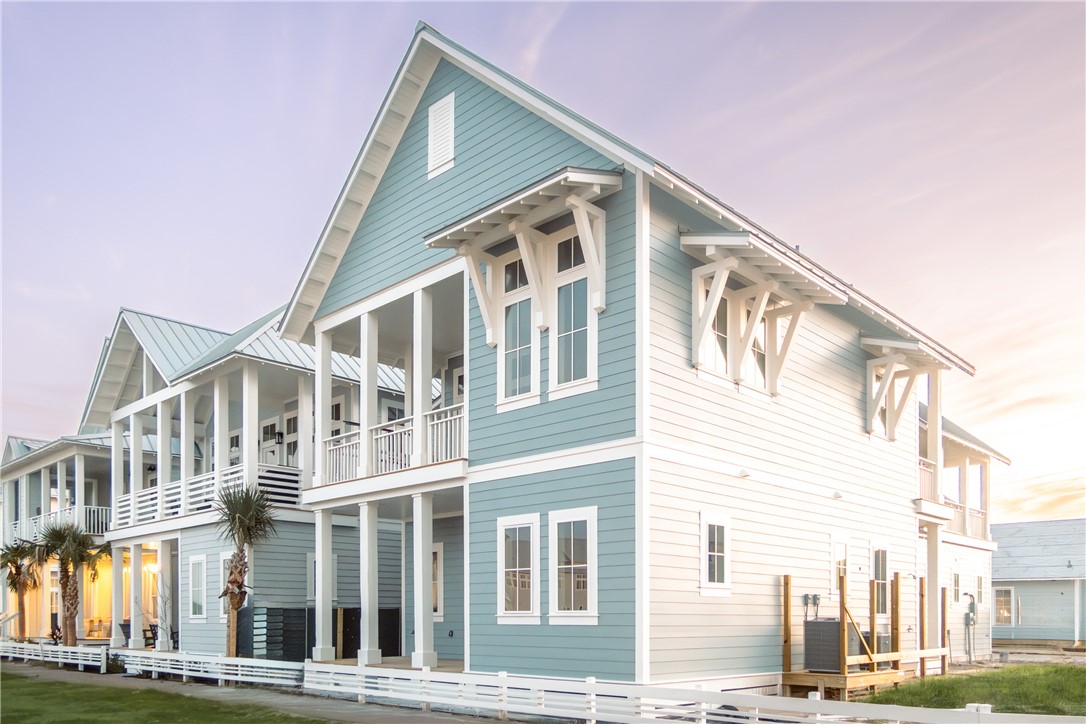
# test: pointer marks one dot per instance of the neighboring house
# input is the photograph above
(235, 410)
(1039, 582)
(651, 408)
(50, 482)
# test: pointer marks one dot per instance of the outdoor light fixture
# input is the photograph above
(278, 438)
(151, 468)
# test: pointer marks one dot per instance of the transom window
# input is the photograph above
(570, 254)
(515, 276)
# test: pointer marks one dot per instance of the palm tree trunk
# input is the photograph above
(22, 614)
(65, 583)
(232, 632)
(71, 611)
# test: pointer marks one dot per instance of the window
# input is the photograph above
(1004, 605)
(838, 564)
(197, 587)
(438, 579)
(716, 554)
(291, 440)
(335, 412)
(980, 590)
(519, 353)
(573, 349)
(882, 581)
(573, 585)
(235, 447)
(737, 327)
(518, 569)
(311, 577)
(957, 588)
(440, 141)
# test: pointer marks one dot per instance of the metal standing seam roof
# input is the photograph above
(953, 430)
(1039, 550)
(172, 345)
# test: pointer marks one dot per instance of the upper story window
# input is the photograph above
(572, 325)
(440, 137)
(519, 344)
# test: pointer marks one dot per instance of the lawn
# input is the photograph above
(1058, 689)
(50, 702)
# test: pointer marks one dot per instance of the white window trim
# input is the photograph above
(881, 546)
(518, 617)
(438, 164)
(202, 560)
(995, 610)
(531, 397)
(707, 588)
(573, 618)
(556, 391)
(439, 599)
(311, 577)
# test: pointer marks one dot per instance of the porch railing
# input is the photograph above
(957, 523)
(391, 446)
(926, 473)
(95, 521)
(341, 456)
(445, 434)
(978, 523)
(198, 494)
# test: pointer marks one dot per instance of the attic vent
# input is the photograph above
(441, 136)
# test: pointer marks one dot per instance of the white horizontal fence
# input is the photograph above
(591, 701)
(215, 668)
(81, 656)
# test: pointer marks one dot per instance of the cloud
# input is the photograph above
(543, 19)
(1049, 497)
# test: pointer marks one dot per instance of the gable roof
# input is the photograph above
(1039, 550)
(17, 447)
(960, 435)
(426, 49)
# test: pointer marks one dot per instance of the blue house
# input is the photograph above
(649, 409)
(1039, 582)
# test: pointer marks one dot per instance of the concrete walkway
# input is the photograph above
(308, 705)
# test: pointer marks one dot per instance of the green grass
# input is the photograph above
(28, 699)
(1058, 689)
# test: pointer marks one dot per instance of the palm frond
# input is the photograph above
(246, 516)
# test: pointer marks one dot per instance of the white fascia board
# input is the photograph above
(549, 111)
(103, 365)
(143, 346)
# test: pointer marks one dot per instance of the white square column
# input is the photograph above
(188, 436)
(422, 529)
(323, 650)
(165, 596)
(306, 447)
(116, 476)
(367, 389)
(164, 458)
(369, 651)
(135, 591)
(135, 458)
(80, 501)
(322, 386)
(250, 423)
(117, 639)
(81, 614)
(221, 412)
(934, 579)
(420, 381)
(62, 488)
(45, 483)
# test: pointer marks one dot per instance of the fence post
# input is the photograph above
(701, 705)
(424, 683)
(590, 700)
(503, 696)
(103, 664)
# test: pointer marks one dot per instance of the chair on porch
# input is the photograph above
(126, 631)
(150, 635)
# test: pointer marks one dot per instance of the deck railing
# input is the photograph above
(445, 434)
(978, 523)
(198, 494)
(391, 446)
(341, 456)
(926, 474)
(95, 521)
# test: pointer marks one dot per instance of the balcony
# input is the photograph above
(95, 521)
(970, 522)
(198, 494)
(390, 446)
(926, 473)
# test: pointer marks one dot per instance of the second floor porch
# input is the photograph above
(94, 519)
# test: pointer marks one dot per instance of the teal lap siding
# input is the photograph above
(449, 632)
(605, 650)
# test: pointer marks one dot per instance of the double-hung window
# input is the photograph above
(573, 340)
(716, 554)
(1004, 606)
(198, 587)
(518, 569)
(880, 573)
(520, 337)
(574, 588)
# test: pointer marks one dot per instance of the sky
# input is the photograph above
(181, 159)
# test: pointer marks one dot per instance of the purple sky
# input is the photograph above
(181, 159)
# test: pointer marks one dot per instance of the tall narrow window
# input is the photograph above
(519, 334)
(980, 590)
(197, 587)
(573, 331)
(441, 136)
(718, 359)
(1004, 606)
(573, 344)
(957, 588)
(518, 568)
(882, 583)
(437, 561)
(574, 588)
(716, 576)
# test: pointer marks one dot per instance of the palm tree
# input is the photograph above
(73, 548)
(18, 559)
(246, 517)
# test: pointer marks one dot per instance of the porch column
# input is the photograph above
(422, 529)
(165, 596)
(367, 389)
(46, 604)
(116, 639)
(306, 447)
(323, 650)
(421, 372)
(135, 458)
(369, 651)
(164, 459)
(935, 622)
(250, 422)
(7, 490)
(188, 445)
(322, 385)
(81, 616)
(935, 430)
(116, 466)
(221, 405)
(81, 496)
(135, 591)
(45, 482)
(63, 503)
(24, 505)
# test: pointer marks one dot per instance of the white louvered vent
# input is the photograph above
(441, 151)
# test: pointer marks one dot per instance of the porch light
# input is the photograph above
(278, 438)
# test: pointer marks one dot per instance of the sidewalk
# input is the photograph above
(316, 707)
